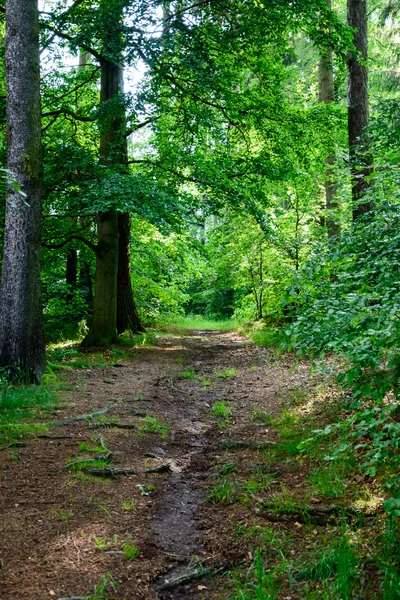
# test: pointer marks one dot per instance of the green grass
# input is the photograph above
(227, 374)
(220, 409)
(192, 322)
(222, 412)
(189, 374)
(151, 424)
(21, 409)
(131, 551)
(222, 492)
(128, 505)
(266, 337)
(103, 588)
(259, 582)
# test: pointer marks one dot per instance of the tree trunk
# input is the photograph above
(127, 314)
(22, 347)
(357, 112)
(326, 94)
(103, 327)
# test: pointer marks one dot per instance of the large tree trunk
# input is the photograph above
(103, 327)
(357, 99)
(22, 347)
(326, 94)
(127, 314)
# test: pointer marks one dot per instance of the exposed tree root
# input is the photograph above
(15, 445)
(164, 468)
(55, 437)
(192, 575)
(232, 445)
(309, 514)
(61, 422)
(103, 457)
(113, 425)
(109, 472)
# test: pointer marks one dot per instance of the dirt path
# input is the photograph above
(63, 529)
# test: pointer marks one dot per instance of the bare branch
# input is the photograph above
(71, 113)
(80, 238)
(140, 125)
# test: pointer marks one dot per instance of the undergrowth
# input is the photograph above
(21, 410)
(356, 554)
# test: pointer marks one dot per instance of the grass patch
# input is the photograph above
(151, 424)
(128, 505)
(224, 492)
(222, 412)
(189, 374)
(131, 551)
(21, 408)
(181, 325)
(227, 374)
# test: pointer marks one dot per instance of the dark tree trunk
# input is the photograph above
(85, 281)
(127, 314)
(357, 99)
(103, 327)
(22, 347)
(326, 94)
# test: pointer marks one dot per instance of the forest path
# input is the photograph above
(162, 414)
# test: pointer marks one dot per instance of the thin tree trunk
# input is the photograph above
(357, 99)
(22, 347)
(326, 94)
(127, 314)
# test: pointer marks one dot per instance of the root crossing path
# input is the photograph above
(124, 496)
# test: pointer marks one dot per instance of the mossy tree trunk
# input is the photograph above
(22, 347)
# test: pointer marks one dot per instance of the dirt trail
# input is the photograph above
(61, 530)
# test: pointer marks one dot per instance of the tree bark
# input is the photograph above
(103, 327)
(127, 314)
(357, 112)
(22, 346)
(326, 94)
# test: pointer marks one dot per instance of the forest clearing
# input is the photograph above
(200, 299)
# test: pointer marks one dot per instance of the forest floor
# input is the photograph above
(175, 470)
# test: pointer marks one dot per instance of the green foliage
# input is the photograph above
(222, 492)
(21, 409)
(340, 562)
(151, 424)
(131, 551)
(222, 412)
(227, 374)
